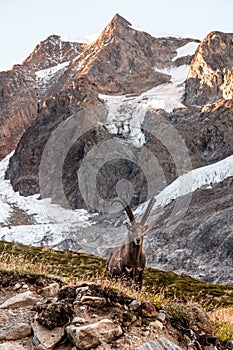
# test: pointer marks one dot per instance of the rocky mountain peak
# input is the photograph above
(20, 91)
(210, 75)
(52, 51)
(213, 49)
(117, 26)
(130, 57)
(118, 20)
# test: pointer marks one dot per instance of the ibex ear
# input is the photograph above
(145, 227)
(128, 226)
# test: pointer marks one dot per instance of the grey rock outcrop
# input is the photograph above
(201, 245)
(160, 344)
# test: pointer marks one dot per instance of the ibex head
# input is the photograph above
(136, 230)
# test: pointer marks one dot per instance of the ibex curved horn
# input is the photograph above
(148, 210)
(127, 208)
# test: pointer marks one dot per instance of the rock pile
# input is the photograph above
(43, 314)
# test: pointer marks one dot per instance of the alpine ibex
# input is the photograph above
(128, 261)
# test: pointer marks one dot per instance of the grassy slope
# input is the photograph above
(78, 267)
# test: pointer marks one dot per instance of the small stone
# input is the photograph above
(134, 305)
(148, 309)
(25, 286)
(17, 286)
(146, 333)
(81, 290)
(94, 316)
(79, 320)
(51, 290)
(82, 308)
(201, 318)
(92, 335)
(93, 301)
(157, 324)
(230, 343)
(161, 316)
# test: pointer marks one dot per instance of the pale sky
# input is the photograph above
(24, 23)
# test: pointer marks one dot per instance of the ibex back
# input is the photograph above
(128, 261)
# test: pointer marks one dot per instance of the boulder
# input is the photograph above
(160, 344)
(19, 300)
(91, 335)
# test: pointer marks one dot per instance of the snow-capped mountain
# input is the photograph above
(125, 115)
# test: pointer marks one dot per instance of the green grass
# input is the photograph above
(224, 331)
(76, 267)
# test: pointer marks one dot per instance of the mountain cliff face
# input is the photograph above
(210, 75)
(129, 57)
(20, 92)
(127, 78)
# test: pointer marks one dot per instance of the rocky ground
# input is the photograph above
(40, 313)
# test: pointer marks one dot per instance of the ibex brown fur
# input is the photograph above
(128, 261)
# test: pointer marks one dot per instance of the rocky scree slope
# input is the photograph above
(41, 313)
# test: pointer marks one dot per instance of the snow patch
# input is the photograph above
(188, 49)
(205, 176)
(50, 219)
(49, 72)
(178, 74)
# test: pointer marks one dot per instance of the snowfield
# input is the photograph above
(49, 72)
(126, 113)
(50, 221)
(52, 224)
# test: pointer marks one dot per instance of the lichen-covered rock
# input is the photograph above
(148, 309)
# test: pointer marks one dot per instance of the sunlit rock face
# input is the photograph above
(122, 61)
(20, 91)
(211, 70)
